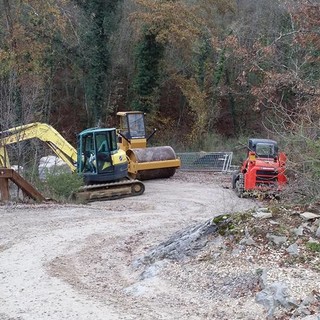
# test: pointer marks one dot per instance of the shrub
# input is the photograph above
(60, 185)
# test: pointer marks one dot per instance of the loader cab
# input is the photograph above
(99, 158)
(263, 148)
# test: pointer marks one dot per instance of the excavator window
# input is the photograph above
(107, 141)
(96, 149)
(107, 144)
(88, 153)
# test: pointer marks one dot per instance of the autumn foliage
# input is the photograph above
(203, 68)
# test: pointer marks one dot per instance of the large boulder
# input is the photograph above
(51, 165)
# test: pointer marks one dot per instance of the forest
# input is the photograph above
(209, 73)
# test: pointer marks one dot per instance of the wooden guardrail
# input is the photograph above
(27, 189)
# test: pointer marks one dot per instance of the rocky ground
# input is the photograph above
(186, 249)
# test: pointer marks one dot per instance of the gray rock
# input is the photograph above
(273, 296)
(247, 241)
(293, 249)
(309, 299)
(312, 317)
(303, 309)
(313, 228)
(298, 231)
(277, 239)
(263, 277)
(182, 244)
(262, 215)
(153, 270)
(318, 232)
(136, 290)
(309, 215)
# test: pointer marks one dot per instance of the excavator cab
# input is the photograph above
(99, 158)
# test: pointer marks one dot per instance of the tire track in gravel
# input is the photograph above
(52, 266)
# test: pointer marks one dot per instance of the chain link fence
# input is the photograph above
(206, 161)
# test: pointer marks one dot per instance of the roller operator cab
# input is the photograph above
(132, 128)
(99, 158)
(263, 170)
(144, 162)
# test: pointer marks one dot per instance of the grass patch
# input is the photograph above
(232, 223)
(313, 246)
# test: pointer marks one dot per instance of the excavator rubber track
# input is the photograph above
(110, 191)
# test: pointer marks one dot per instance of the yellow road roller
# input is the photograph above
(144, 162)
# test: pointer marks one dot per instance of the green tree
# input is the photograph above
(99, 20)
(149, 53)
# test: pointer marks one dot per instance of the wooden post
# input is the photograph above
(25, 186)
(4, 187)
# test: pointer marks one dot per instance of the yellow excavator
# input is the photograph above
(144, 162)
(98, 159)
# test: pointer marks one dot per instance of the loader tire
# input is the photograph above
(235, 177)
(239, 185)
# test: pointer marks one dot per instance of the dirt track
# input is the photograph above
(78, 262)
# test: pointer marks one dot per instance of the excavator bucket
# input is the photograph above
(144, 162)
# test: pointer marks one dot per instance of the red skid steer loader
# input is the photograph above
(262, 171)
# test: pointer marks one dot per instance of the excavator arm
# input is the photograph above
(109, 187)
(44, 132)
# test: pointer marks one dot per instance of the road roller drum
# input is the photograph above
(152, 163)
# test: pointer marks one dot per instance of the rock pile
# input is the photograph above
(281, 237)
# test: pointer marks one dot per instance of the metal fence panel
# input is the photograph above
(206, 161)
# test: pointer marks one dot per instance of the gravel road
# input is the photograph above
(79, 261)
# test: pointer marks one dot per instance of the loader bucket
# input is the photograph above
(152, 163)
